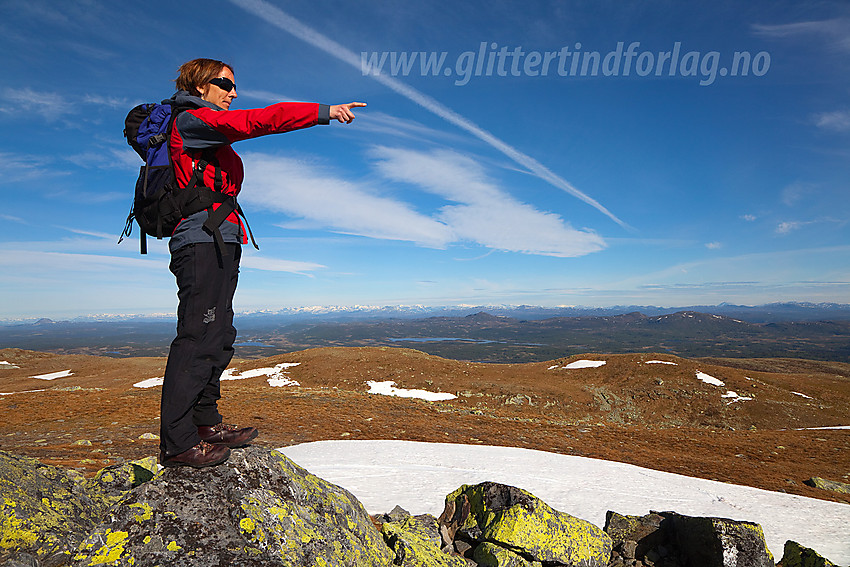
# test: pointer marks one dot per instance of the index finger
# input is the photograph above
(350, 104)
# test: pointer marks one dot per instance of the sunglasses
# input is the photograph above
(223, 83)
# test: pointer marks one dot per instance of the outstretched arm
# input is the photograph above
(343, 113)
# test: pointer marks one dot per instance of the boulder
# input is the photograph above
(795, 555)
(824, 484)
(258, 508)
(719, 542)
(45, 512)
(674, 540)
(416, 543)
(636, 537)
(518, 521)
(491, 555)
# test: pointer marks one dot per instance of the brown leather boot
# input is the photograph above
(201, 455)
(227, 435)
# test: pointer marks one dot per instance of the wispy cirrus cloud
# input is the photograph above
(280, 19)
(26, 101)
(835, 32)
(52, 106)
(112, 157)
(278, 265)
(22, 167)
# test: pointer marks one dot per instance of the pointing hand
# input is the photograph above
(342, 112)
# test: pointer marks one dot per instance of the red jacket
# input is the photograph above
(208, 127)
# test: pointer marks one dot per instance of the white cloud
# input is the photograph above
(838, 121)
(110, 102)
(749, 218)
(714, 245)
(21, 167)
(308, 191)
(386, 124)
(59, 264)
(484, 213)
(23, 102)
(107, 158)
(836, 32)
(276, 265)
(796, 192)
(106, 236)
(470, 208)
(12, 218)
(788, 226)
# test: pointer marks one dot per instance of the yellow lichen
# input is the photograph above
(172, 546)
(112, 550)
(247, 525)
(147, 511)
(13, 534)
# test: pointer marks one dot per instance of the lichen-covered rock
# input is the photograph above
(833, 485)
(517, 520)
(635, 537)
(112, 483)
(795, 555)
(416, 543)
(44, 511)
(491, 555)
(719, 542)
(258, 508)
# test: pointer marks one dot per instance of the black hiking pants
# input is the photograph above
(206, 282)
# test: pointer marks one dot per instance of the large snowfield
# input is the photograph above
(418, 476)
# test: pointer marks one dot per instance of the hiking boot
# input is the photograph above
(201, 455)
(227, 435)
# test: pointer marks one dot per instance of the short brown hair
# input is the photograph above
(198, 72)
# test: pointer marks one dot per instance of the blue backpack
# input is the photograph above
(160, 203)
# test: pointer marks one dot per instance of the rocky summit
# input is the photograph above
(261, 509)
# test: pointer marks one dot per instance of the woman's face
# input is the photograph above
(217, 95)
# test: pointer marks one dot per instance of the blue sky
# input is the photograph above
(509, 176)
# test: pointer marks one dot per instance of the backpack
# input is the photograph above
(160, 203)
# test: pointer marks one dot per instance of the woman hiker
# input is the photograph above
(192, 432)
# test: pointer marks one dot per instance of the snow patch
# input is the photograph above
(735, 397)
(709, 379)
(661, 362)
(802, 395)
(417, 476)
(53, 375)
(149, 383)
(22, 392)
(276, 372)
(584, 364)
(6, 364)
(281, 382)
(388, 389)
(277, 376)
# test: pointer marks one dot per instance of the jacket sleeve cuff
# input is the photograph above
(324, 114)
